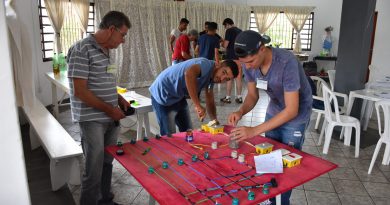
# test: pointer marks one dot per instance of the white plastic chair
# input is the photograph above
(385, 135)
(318, 82)
(332, 77)
(335, 119)
(342, 109)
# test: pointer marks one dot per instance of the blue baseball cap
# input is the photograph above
(248, 43)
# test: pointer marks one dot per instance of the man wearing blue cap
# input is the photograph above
(281, 76)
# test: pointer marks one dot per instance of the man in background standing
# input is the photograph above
(230, 35)
(176, 32)
(208, 44)
(182, 47)
(94, 104)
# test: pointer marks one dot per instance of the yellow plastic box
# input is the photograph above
(215, 129)
(264, 148)
(205, 127)
(291, 160)
(121, 90)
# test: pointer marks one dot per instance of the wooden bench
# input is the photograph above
(64, 153)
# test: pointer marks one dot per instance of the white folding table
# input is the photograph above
(143, 107)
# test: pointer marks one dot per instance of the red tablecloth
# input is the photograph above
(188, 183)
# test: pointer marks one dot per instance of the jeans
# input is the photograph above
(293, 135)
(174, 62)
(96, 180)
(170, 116)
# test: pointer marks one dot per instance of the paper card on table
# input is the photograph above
(269, 163)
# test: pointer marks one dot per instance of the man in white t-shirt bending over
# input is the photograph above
(176, 32)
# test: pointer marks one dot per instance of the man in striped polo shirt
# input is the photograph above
(94, 104)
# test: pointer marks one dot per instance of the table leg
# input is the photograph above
(363, 111)
(140, 119)
(146, 125)
(350, 103)
(368, 114)
(278, 199)
(54, 100)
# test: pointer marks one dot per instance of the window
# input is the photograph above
(282, 32)
(70, 32)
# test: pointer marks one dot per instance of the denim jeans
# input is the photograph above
(293, 135)
(96, 180)
(170, 116)
(174, 62)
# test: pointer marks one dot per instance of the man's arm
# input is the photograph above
(185, 55)
(171, 40)
(250, 100)
(228, 36)
(249, 103)
(288, 113)
(216, 55)
(82, 92)
(196, 51)
(225, 43)
(210, 104)
(190, 76)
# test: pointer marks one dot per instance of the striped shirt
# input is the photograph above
(86, 60)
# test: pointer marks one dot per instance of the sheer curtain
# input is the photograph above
(265, 16)
(55, 10)
(145, 52)
(241, 16)
(81, 7)
(102, 7)
(297, 17)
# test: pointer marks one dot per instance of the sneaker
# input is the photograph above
(226, 100)
(239, 100)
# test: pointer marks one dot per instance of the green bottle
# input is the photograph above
(62, 62)
(56, 68)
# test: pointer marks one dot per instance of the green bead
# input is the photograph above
(265, 189)
(180, 162)
(165, 165)
(251, 195)
(194, 158)
(119, 144)
(235, 201)
(206, 155)
(151, 170)
(145, 139)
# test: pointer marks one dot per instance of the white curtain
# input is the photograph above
(81, 7)
(145, 52)
(241, 16)
(102, 7)
(55, 10)
(199, 12)
(265, 16)
(297, 17)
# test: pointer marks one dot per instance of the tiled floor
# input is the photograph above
(348, 184)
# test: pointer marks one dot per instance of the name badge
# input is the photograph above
(261, 84)
(111, 69)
